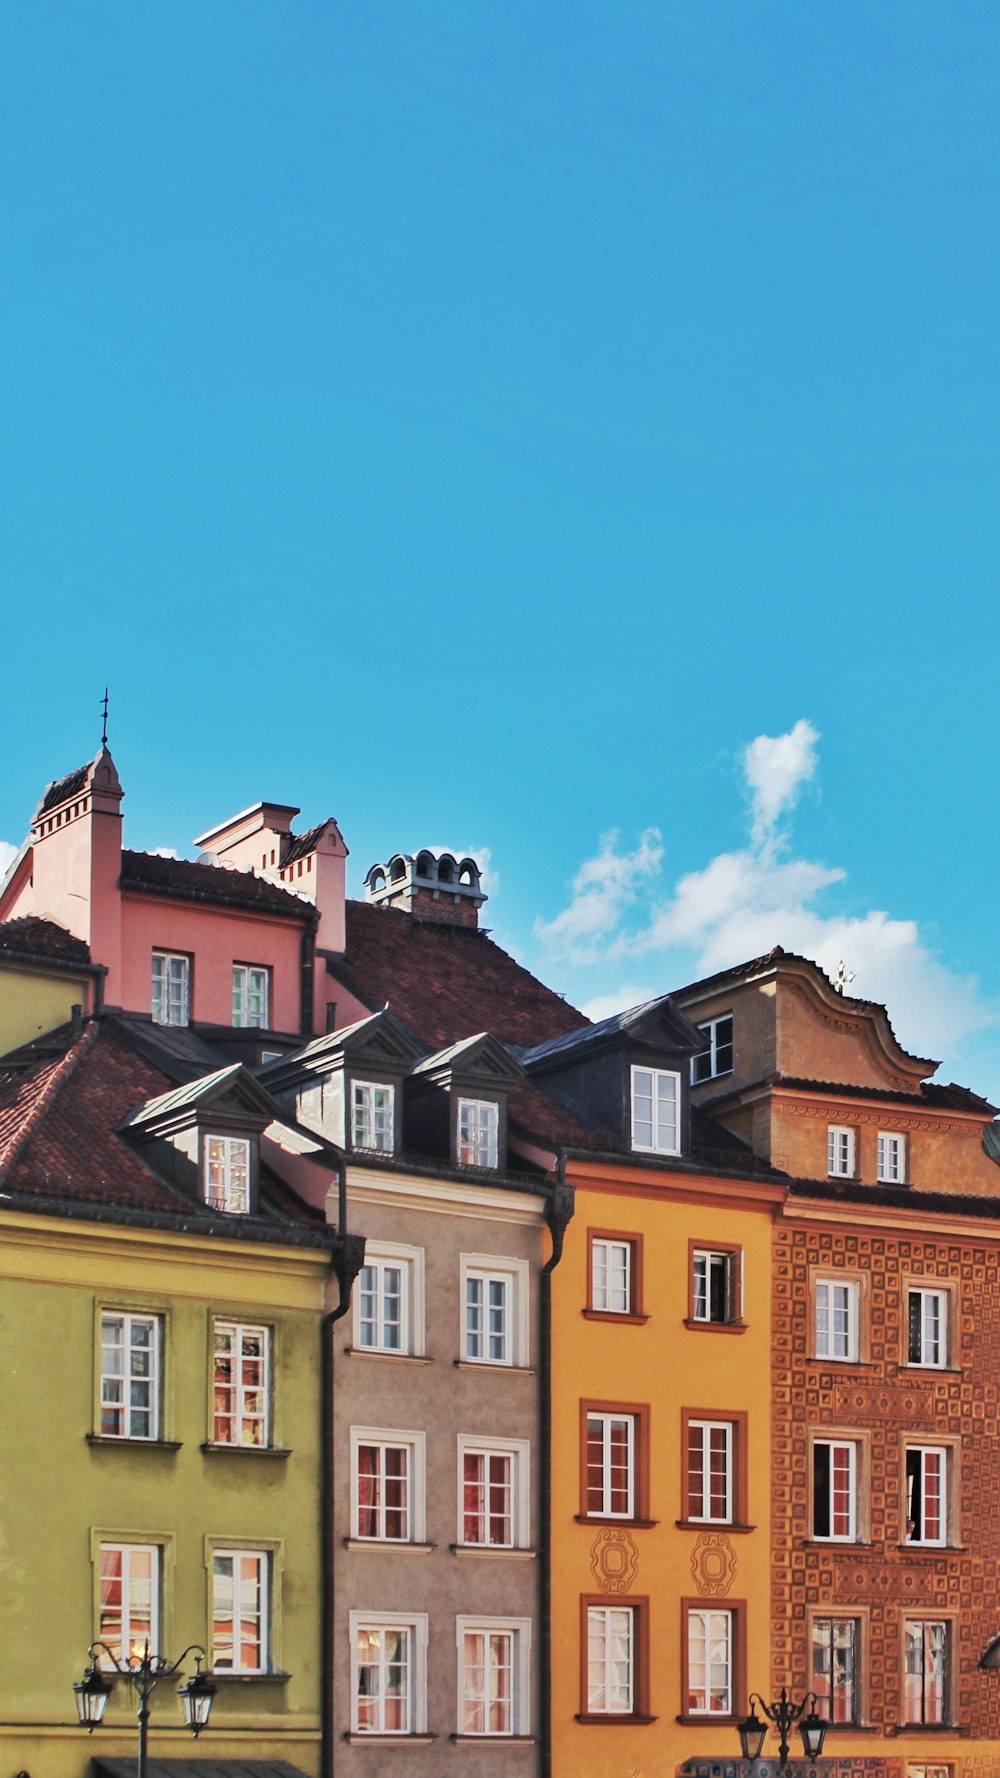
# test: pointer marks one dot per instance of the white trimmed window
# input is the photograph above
(611, 1454)
(495, 1310)
(493, 1493)
(710, 1662)
(835, 1668)
(611, 1660)
(923, 1771)
(389, 1300)
(840, 1152)
(130, 1375)
(388, 1673)
(717, 1056)
(835, 1490)
(171, 988)
(478, 1133)
(715, 1285)
(837, 1319)
(710, 1471)
(387, 1485)
(129, 1606)
(227, 1174)
(241, 1384)
(494, 1676)
(372, 1116)
(927, 1342)
(251, 996)
(927, 1482)
(891, 1158)
(611, 1276)
(240, 1610)
(926, 1670)
(656, 1104)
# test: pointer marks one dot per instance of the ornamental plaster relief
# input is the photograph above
(614, 1561)
(713, 1564)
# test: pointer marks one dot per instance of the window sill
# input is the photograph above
(853, 1728)
(133, 1444)
(357, 1738)
(224, 1676)
(930, 1370)
(627, 1524)
(212, 1445)
(393, 1357)
(713, 1525)
(926, 1728)
(844, 1364)
(488, 1364)
(727, 1327)
(837, 1543)
(617, 1719)
(932, 1549)
(488, 1740)
(388, 1546)
(704, 1718)
(512, 1552)
(626, 1320)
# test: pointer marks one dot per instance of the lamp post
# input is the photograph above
(784, 1714)
(143, 1673)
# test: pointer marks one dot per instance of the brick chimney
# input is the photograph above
(429, 886)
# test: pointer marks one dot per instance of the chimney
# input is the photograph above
(429, 887)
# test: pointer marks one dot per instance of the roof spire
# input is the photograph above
(104, 730)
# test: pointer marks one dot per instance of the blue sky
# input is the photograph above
(483, 422)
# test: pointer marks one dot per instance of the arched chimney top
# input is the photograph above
(431, 885)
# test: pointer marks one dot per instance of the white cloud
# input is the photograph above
(8, 853)
(602, 889)
(619, 1000)
(742, 903)
(165, 852)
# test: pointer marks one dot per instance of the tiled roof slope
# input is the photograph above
(446, 982)
(302, 844)
(208, 882)
(948, 1097)
(61, 789)
(31, 936)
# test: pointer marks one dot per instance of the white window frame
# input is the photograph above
(231, 1190)
(410, 1263)
(608, 1419)
(601, 1617)
(891, 1157)
(240, 1330)
(416, 1623)
(415, 1445)
(518, 1450)
(943, 1298)
(244, 989)
(656, 1144)
(826, 1311)
(519, 1630)
(262, 1558)
(934, 1770)
(175, 1009)
(947, 1705)
(840, 1151)
(710, 1028)
(482, 1118)
(366, 1116)
(706, 1428)
(698, 1618)
(944, 1456)
(849, 1445)
(830, 1647)
(603, 1248)
(131, 1319)
(729, 1258)
(127, 1550)
(487, 1268)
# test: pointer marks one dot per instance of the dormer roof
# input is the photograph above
(656, 1024)
(381, 1040)
(481, 1057)
(234, 1087)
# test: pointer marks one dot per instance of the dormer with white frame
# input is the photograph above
(348, 1085)
(457, 1102)
(204, 1137)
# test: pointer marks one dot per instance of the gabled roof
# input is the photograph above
(379, 1036)
(654, 1019)
(235, 1082)
(301, 844)
(41, 940)
(192, 881)
(483, 1054)
(61, 789)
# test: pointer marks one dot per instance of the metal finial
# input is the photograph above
(843, 978)
(104, 730)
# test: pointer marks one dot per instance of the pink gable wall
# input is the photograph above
(215, 938)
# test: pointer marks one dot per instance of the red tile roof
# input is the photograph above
(192, 881)
(61, 789)
(36, 938)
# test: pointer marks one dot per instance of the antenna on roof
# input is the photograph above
(104, 730)
(843, 978)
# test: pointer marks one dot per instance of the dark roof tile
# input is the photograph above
(33, 937)
(61, 789)
(193, 881)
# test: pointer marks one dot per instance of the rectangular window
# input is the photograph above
(926, 1670)
(715, 1285)
(493, 1676)
(710, 1655)
(835, 1668)
(129, 1612)
(372, 1120)
(611, 1454)
(891, 1158)
(383, 1487)
(935, 1771)
(928, 1328)
(488, 1317)
(611, 1274)
(382, 1306)
(240, 1611)
(717, 1056)
(656, 1099)
(488, 1497)
(130, 1375)
(388, 1656)
(241, 1384)
(227, 1174)
(835, 1490)
(478, 1133)
(926, 1494)
(611, 1660)
(171, 988)
(710, 1465)
(837, 1319)
(251, 996)
(840, 1152)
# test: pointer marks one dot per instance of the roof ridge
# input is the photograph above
(63, 1071)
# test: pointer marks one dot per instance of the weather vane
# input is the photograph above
(843, 978)
(104, 731)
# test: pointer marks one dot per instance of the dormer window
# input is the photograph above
(478, 1133)
(373, 1116)
(717, 1056)
(656, 1104)
(227, 1174)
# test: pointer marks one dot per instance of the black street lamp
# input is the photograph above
(784, 1714)
(142, 1673)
